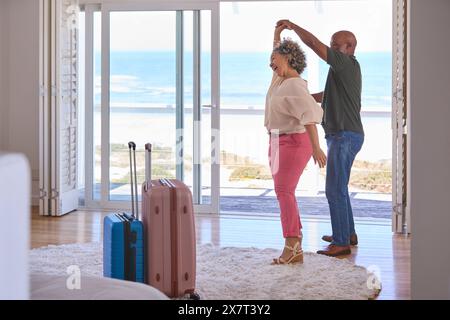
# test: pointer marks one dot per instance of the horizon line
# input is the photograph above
(226, 51)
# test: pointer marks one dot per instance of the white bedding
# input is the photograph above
(15, 194)
(48, 287)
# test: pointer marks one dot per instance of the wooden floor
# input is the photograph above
(378, 249)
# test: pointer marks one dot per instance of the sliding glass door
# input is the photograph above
(159, 84)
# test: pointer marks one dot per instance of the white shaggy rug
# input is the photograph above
(236, 273)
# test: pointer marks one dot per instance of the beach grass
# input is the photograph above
(372, 176)
(366, 175)
(162, 164)
(254, 172)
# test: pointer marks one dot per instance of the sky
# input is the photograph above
(249, 26)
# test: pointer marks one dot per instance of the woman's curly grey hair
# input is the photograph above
(296, 56)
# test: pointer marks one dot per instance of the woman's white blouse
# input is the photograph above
(289, 106)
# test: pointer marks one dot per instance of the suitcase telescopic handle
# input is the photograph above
(132, 145)
(148, 163)
(133, 177)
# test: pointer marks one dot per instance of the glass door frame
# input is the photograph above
(106, 8)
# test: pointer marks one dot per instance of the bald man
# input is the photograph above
(341, 103)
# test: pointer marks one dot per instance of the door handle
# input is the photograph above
(209, 106)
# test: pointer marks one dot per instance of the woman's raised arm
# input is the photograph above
(277, 34)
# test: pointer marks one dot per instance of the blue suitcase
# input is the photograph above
(123, 237)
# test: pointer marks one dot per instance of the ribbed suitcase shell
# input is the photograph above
(123, 256)
(123, 237)
(168, 218)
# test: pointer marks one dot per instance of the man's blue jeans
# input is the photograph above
(342, 150)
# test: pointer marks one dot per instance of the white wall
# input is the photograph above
(20, 68)
(429, 75)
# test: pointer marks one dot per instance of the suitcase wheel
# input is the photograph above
(194, 296)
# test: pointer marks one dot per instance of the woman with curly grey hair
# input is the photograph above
(291, 115)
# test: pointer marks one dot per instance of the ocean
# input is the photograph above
(141, 81)
(149, 77)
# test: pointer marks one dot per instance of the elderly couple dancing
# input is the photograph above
(291, 115)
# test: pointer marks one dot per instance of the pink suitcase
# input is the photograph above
(168, 218)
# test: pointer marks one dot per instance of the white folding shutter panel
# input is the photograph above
(44, 107)
(64, 111)
(400, 215)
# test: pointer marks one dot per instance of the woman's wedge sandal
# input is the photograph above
(295, 257)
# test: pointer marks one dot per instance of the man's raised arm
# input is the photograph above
(308, 38)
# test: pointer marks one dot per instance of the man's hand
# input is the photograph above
(286, 23)
(319, 157)
(279, 29)
(307, 37)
